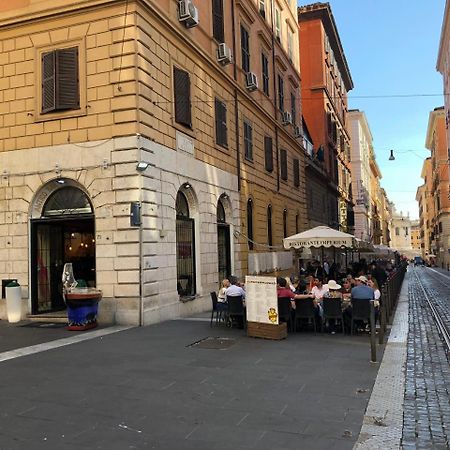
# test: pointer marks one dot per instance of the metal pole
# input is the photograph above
(382, 316)
(373, 344)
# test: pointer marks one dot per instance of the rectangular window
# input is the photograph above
(290, 45)
(283, 165)
(221, 123)
(217, 16)
(281, 93)
(60, 80)
(296, 172)
(262, 8)
(268, 153)
(245, 49)
(248, 141)
(265, 73)
(182, 94)
(293, 109)
(278, 24)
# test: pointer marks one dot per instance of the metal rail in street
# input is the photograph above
(443, 330)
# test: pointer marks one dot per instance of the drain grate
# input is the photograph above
(214, 343)
(45, 325)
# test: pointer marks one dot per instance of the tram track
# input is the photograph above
(442, 326)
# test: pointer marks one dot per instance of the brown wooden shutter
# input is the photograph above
(217, 10)
(268, 153)
(221, 123)
(67, 80)
(283, 165)
(296, 173)
(182, 90)
(48, 82)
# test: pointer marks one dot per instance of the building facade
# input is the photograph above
(401, 232)
(426, 210)
(326, 80)
(436, 142)
(147, 143)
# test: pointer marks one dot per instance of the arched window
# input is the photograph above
(285, 224)
(269, 225)
(185, 248)
(67, 201)
(220, 213)
(182, 205)
(223, 243)
(250, 223)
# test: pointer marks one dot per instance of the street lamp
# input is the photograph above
(392, 157)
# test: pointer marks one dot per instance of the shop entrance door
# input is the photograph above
(54, 243)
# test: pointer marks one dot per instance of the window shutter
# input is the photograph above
(283, 164)
(248, 141)
(67, 89)
(245, 50)
(217, 9)
(48, 82)
(296, 173)
(182, 90)
(221, 123)
(268, 153)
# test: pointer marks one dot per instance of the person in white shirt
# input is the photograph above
(319, 289)
(234, 290)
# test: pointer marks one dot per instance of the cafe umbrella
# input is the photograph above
(321, 236)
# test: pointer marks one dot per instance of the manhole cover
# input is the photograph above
(215, 343)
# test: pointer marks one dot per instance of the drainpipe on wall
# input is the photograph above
(141, 234)
(272, 7)
(236, 109)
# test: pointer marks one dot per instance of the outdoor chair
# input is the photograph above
(332, 310)
(216, 311)
(305, 309)
(236, 310)
(284, 311)
(360, 311)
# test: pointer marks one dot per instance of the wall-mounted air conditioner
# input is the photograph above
(224, 55)
(251, 81)
(287, 118)
(298, 132)
(187, 13)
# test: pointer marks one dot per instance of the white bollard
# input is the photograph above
(13, 302)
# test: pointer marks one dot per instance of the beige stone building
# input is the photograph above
(426, 210)
(436, 142)
(415, 238)
(401, 232)
(153, 144)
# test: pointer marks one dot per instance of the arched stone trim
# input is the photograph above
(192, 199)
(45, 191)
(226, 203)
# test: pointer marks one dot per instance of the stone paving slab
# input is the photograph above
(383, 420)
(149, 388)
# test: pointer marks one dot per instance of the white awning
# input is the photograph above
(321, 236)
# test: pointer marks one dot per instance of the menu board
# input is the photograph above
(261, 299)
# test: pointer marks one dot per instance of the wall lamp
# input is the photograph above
(141, 166)
(392, 157)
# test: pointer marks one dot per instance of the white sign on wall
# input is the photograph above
(261, 299)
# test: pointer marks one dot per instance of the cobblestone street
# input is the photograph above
(426, 422)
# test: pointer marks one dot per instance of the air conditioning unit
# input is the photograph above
(187, 13)
(251, 81)
(287, 118)
(298, 132)
(224, 55)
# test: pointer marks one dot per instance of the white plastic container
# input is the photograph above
(13, 302)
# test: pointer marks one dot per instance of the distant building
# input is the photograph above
(401, 232)
(415, 237)
(326, 80)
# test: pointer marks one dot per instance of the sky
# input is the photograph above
(391, 47)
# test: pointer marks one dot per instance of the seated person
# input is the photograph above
(234, 290)
(284, 291)
(221, 296)
(319, 289)
(362, 290)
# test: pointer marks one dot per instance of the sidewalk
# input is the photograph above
(151, 387)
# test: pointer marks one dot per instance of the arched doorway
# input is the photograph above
(64, 232)
(186, 274)
(223, 243)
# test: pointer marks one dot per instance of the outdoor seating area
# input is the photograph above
(322, 296)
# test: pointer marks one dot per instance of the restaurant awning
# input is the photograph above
(321, 236)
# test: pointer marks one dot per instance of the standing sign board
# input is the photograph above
(262, 308)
